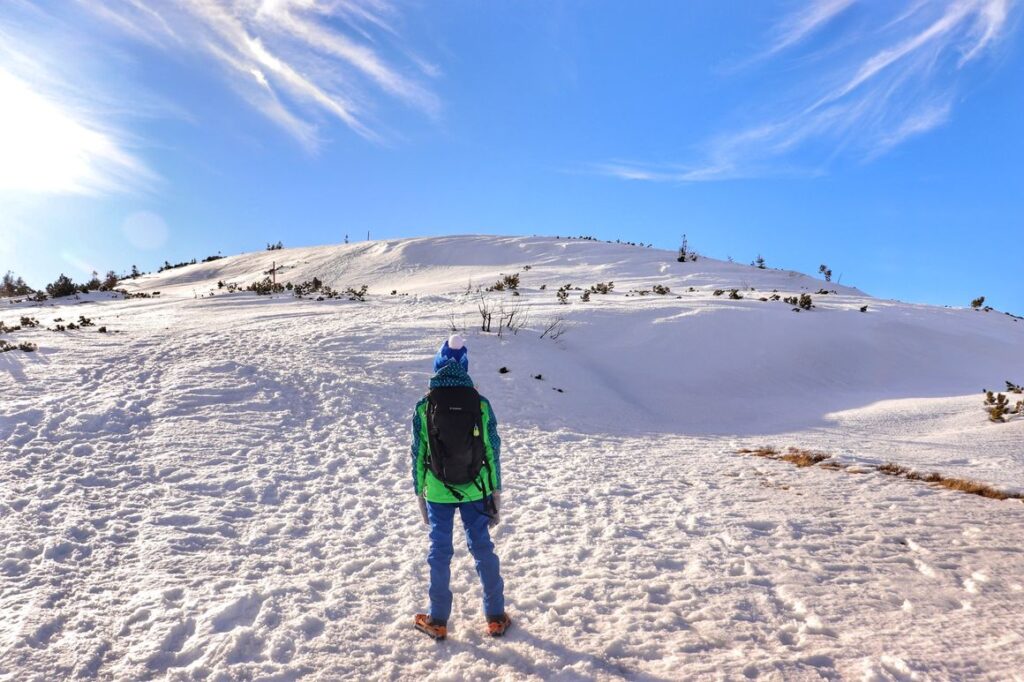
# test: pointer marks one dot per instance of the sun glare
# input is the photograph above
(44, 147)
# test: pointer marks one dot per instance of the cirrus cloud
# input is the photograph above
(889, 76)
(305, 65)
(298, 62)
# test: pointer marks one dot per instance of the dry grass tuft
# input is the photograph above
(804, 458)
(974, 488)
(963, 485)
(893, 469)
(797, 456)
(807, 458)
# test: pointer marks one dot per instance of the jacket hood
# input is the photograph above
(452, 374)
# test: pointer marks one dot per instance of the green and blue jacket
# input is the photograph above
(424, 481)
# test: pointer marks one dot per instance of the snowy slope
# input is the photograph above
(688, 362)
(440, 265)
(218, 488)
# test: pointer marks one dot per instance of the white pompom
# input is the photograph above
(455, 341)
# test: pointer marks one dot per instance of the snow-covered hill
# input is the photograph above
(445, 265)
(217, 487)
(686, 362)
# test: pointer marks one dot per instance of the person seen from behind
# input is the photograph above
(456, 467)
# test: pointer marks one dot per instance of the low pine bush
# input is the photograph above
(24, 346)
(265, 287)
(998, 407)
(12, 285)
(802, 302)
(356, 294)
(109, 282)
(307, 287)
(62, 286)
(170, 266)
(563, 294)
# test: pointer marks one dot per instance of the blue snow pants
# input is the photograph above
(478, 538)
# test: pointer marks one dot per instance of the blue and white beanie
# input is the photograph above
(452, 349)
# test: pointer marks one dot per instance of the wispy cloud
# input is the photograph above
(299, 62)
(637, 170)
(57, 137)
(889, 76)
(306, 65)
(799, 25)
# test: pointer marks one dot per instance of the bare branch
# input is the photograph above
(555, 328)
(486, 308)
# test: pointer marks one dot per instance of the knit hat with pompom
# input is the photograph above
(452, 349)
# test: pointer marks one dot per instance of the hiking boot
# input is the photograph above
(435, 628)
(497, 625)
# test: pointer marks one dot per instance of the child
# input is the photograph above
(456, 466)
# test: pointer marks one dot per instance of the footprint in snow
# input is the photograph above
(171, 645)
(237, 613)
(40, 638)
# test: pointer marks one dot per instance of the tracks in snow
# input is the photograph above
(233, 498)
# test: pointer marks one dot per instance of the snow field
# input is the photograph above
(220, 489)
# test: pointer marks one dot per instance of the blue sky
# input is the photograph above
(881, 138)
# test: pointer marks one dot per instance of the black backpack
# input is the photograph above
(455, 432)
